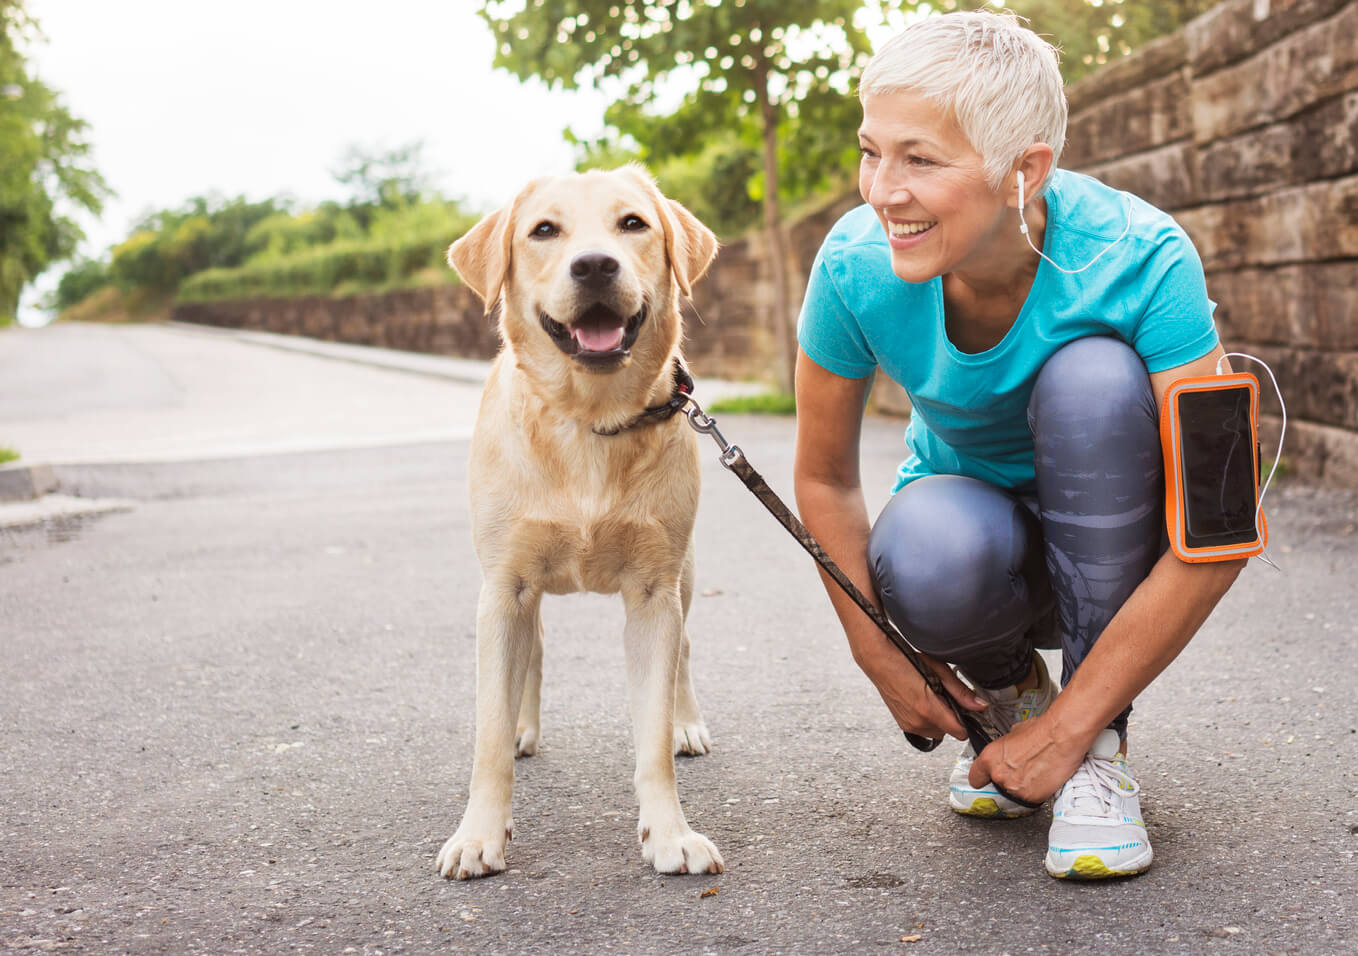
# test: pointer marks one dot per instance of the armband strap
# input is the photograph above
(1209, 431)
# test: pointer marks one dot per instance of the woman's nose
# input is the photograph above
(887, 189)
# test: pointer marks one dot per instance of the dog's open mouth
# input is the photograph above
(599, 338)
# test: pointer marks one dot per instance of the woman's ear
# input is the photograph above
(1036, 166)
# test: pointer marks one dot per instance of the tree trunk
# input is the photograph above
(784, 334)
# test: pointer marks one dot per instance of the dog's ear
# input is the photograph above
(690, 245)
(481, 257)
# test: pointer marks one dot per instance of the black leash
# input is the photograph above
(734, 460)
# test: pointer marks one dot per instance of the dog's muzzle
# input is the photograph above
(599, 338)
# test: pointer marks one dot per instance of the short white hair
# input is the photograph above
(998, 79)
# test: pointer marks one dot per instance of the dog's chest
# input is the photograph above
(560, 556)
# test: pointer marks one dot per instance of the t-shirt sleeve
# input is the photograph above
(1176, 326)
(827, 330)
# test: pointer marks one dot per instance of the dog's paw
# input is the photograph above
(526, 742)
(465, 857)
(692, 740)
(685, 851)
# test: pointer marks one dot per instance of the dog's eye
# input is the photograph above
(545, 230)
(632, 223)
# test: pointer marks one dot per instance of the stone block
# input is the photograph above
(1166, 177)
(1318, 221)
(1312, 65)
(1236, 29)
(1313, 304)
(1156, 59)
(1137, 119)
(1321, 143)
(1319, 454)
(1318, 386)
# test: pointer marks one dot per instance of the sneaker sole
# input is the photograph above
(1091, 867)
(985, 807)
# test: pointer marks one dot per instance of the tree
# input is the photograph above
(206, 233)
(1091, 33)
(383, 180)
(695, 71)
(43, 168)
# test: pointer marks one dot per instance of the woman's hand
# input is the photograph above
(1031, 761)
(830, 499)
(917, 709)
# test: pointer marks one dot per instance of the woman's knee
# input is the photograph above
(1097, 379)
(946, 554)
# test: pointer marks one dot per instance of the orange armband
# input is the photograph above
(1209, 430)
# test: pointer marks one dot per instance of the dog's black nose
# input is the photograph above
(594, 269)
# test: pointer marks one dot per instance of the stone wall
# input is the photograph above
(1243, 125)
(445, 320)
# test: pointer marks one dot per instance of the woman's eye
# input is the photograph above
(920, 161)
(866, 153)
(632, 223)
(545, 230)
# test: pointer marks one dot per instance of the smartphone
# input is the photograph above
(1209, 428)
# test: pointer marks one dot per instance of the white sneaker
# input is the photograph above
(1096, 827)
(1008, 706)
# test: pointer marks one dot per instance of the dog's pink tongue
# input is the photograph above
(597, 338)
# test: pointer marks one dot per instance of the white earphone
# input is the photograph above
(1023, 228)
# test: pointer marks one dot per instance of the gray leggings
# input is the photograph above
(979, 576)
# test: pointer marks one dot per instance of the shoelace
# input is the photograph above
(1099, 779)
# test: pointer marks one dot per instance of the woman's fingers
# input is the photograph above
(959, 691)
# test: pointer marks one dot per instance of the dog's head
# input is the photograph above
(590, 263)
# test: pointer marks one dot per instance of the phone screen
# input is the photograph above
(1220, 466)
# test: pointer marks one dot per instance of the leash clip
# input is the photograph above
(705, 424)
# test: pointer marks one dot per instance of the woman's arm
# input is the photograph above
(1147, 633)
(830, 499)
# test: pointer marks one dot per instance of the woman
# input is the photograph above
(1034, 316)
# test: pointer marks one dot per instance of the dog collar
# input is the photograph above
(683, 388)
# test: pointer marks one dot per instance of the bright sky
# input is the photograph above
(261, 98)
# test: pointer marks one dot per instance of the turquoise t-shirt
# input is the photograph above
(970, 410)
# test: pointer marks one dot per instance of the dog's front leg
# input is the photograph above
(529, 728)
(690, 732)
(506, 629)
(652, 641)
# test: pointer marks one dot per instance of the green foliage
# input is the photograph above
(700, 80)
(8, 454)
(702, 86)
(79, 282)
(394, 177)
(765, 403)
(403, 247)
(43, 167)
(206, 233)
(284, 234)
(393, 233)
(1091, 33)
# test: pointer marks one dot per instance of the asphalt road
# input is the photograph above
(237, 718)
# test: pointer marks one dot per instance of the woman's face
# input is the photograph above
(928, 187)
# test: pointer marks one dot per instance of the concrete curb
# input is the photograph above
(26, 482)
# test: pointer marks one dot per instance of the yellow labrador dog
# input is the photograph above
(576, 486)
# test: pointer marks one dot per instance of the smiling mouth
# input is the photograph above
(904, 230)
(599, 338)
